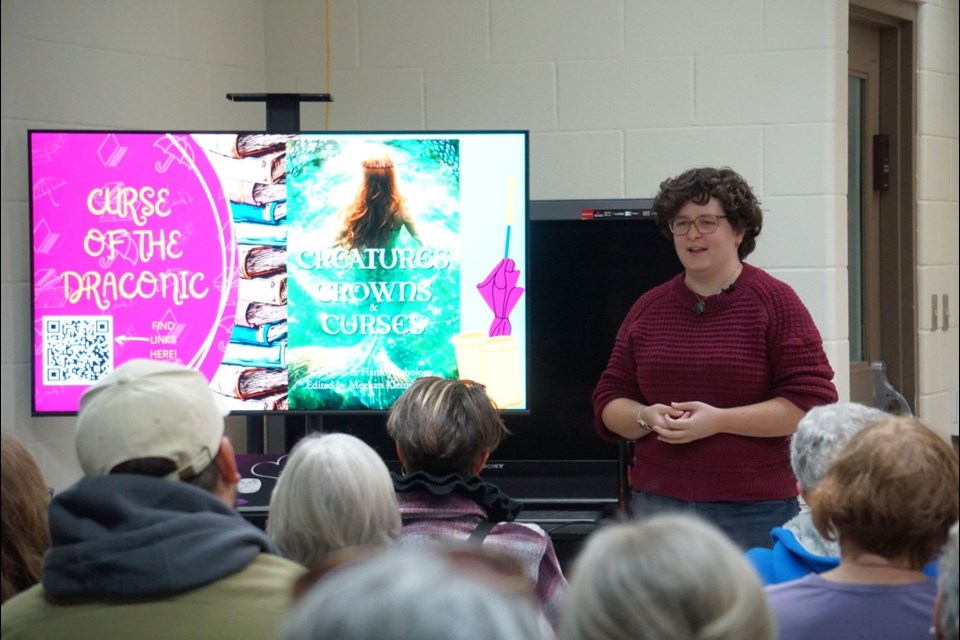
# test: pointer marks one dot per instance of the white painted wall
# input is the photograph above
(618, 95)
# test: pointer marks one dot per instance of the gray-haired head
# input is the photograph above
(822, 434)
(334, 492)
(410, 593)
(665, 577)
(948, 588)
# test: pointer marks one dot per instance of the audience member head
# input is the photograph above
(428, 593)
(665, 577)
(728, 187)
(892, 492)
(160, 419)
(947, 618)
(334, 492)
(444, 426)
(822, 434)
(24, 513)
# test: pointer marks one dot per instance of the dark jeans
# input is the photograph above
(747, 523)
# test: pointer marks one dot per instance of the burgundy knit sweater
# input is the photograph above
(751, 344)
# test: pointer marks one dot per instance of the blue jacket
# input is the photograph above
(789, 560)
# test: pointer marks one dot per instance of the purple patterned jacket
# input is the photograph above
(444, 508)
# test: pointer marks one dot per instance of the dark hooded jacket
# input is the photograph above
(131, 553)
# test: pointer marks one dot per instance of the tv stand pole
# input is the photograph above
(283, 109)
(283, 116)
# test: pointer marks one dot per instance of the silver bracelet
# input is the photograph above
(641, 422)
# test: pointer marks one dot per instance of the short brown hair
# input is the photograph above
(24, 505)
(207, 479)
(442, 426)
(893, 491)
(729, 188)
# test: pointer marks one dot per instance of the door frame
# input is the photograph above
(897, 319)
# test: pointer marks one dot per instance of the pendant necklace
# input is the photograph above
(701, 304)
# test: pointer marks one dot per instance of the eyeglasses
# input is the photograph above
(704, 224)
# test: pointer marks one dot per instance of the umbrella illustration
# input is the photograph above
(44, 188)
(125, 249)
(176, 149)
(499, 289)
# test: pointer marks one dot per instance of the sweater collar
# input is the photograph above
(499, 506)
(686, 298)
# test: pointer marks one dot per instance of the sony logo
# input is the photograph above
(491, 465)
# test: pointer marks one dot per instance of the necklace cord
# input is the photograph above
(701, 304)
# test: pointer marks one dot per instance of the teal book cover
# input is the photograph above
(374, 251)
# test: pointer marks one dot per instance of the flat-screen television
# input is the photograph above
(308, 273)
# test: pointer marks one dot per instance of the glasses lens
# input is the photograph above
(707, 224)
(704, 224)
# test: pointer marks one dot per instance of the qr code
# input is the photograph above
(77, 349)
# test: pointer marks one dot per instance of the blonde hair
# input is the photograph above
(335, 492)
(668, 576)
(442, 426)
(893, 492)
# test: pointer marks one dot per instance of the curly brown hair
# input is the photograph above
(699, 185)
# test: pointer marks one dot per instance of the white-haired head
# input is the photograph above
(668, 576)
(411, 593)
(822, 434)
(334, 492)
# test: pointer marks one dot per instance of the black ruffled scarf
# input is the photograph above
(499, 506)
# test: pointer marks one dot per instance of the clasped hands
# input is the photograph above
(682, 422)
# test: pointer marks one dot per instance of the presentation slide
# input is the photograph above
(307, 272)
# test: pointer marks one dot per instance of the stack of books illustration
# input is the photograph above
(252, 170)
